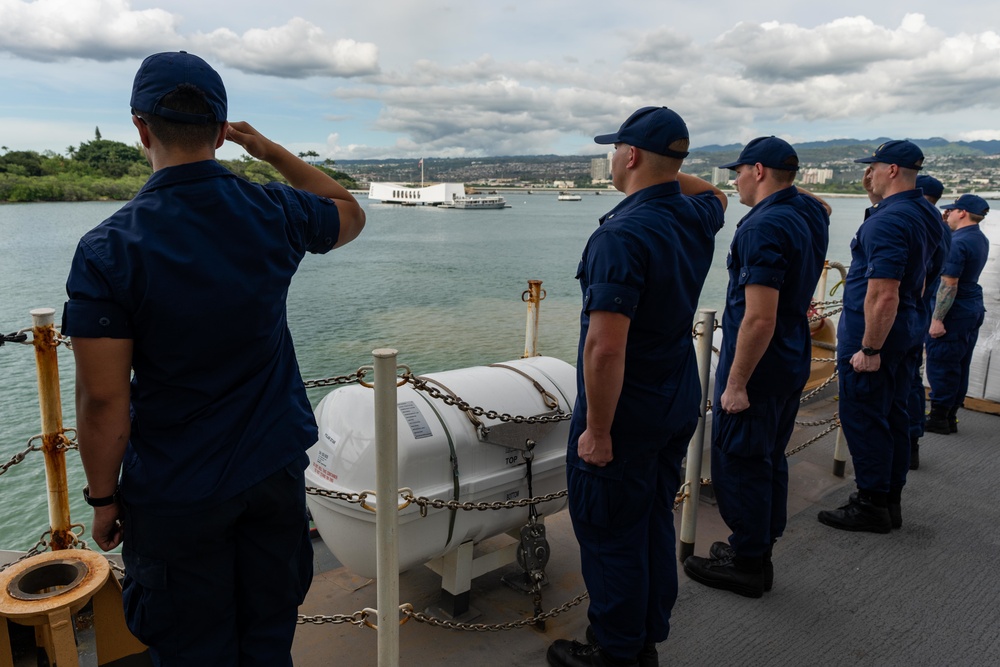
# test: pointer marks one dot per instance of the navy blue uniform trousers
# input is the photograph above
(750, 471)
(220, 586)
(949, 358)
(916, 402)
(625, 527)
(875, 421)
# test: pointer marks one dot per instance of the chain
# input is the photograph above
(829, 429)
(16, 337)
(336, 380)
(408, 611)
(818, 422)
(40, 546)
(63, 340)
(822, 316)
(424, 503)
(423, 385)
(66, 443)
(358, 618)
(17, 458)
(820, 388)
(821, 304)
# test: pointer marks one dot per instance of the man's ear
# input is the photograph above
(143, 130)
(223, 130)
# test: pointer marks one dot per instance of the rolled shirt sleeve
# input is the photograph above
(92, 311)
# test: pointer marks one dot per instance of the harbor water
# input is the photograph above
(441, 286)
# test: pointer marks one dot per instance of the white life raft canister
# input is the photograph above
(443, 455)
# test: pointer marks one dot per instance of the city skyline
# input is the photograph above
(412, 80)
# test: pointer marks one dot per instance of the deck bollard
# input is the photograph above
(386, 513)
(692, 469)
(50, 404)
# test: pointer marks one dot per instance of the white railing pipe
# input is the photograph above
(386, 513)
(692, 471)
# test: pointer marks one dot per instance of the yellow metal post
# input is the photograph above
(50, 404)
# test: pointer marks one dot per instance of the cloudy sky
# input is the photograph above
(448, 78)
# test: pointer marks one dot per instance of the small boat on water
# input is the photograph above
(476, 202)
(566, 196)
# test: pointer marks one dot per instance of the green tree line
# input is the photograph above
(101, 169)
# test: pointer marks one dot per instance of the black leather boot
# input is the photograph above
(953, 419)
(567, 653)
(648, 657)
(743, 576)
(937, 420)
(914, 452)
(720, 550)
(864, 512)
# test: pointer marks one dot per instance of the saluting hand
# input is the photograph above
(252, 141)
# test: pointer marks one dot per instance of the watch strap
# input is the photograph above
(99, 502)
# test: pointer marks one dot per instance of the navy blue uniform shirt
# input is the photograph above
(969, 250)
(195, 270)
(933, 278)
(648, 260)
(895, 241)
(781, 243)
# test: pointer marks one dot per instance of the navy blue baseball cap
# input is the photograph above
(652, 129)
(931, 186)
(972, 203)
(161, 74)
(900, 152)
(771, 152)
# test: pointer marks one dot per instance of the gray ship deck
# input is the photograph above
(922, 595)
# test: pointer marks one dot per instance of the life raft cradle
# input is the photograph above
(532, 549)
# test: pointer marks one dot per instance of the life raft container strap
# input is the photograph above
(551, 402)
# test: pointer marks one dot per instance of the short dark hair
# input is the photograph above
(188, 99)
(783, 176)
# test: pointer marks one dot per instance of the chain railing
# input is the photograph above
(361, 618)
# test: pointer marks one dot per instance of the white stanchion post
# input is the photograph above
(840, 452)
(692, 470)
(533, 297)
(821, 295)
(386, 513)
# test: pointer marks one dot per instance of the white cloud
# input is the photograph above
(296, 49)
(448, 79)
(103, 30)
(107, 30)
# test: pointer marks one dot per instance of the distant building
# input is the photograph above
(815, 176)
(433, 195)
(563, 184)
(724, 176)
(600, 170)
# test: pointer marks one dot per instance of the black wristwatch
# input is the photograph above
(869, 351)
(99, 502)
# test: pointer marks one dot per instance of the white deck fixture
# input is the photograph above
(442, 455)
